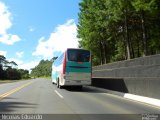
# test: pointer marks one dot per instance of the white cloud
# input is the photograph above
(19, 54)
(19, 62)
(63, 37)
(9, 39)
(22, 65)
(5, 15)
(4, 53)
(5, 24)
(28, 66)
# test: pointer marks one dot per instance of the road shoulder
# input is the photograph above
(142, 99)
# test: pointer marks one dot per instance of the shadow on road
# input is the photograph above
(8, 106)
(86, 89)
(117, 85)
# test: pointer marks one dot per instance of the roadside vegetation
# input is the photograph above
(9, 70)
(119, 29)
(43, 69)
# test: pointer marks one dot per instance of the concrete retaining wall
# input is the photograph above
(140, 76)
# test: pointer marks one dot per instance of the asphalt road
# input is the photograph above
(40, 96)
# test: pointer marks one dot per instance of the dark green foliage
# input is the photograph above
(9, 73)
(24, 73)
(119, 29)
(12, 74)
(43, 69)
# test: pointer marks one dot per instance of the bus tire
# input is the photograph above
(58, 85)
(80, 87)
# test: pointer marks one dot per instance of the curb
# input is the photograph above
(151, 101)
(143, 99)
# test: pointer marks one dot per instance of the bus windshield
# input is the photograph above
(78, 55)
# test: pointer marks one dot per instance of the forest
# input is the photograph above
(9, 70)
(43, 69)
(115, 30)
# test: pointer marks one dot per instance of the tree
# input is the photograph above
(7, 70)
(144, 8)
(3, 61)
(119, 29)
(92, 29)
(43, 69)
(12, 74)
(24, 73)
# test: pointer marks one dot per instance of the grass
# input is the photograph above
(10, 81)
(48, 78)
(7, 81)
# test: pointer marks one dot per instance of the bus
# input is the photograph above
(72, 68)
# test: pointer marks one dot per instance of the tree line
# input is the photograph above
(9, 71)
(43, 69)
(119, 29)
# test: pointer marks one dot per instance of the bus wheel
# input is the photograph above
(80, 87)
(57, 83)
(58, 86)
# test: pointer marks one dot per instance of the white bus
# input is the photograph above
(72, 68)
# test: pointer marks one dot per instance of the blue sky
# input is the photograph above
(31, 30)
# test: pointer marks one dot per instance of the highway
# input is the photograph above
(40, 96)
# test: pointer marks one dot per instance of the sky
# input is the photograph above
(32, 30)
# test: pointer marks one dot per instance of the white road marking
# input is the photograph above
(133, 100)
(58, 94)
(143, 99)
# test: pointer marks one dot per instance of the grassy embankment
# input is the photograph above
(46, 77)
(9, 81)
